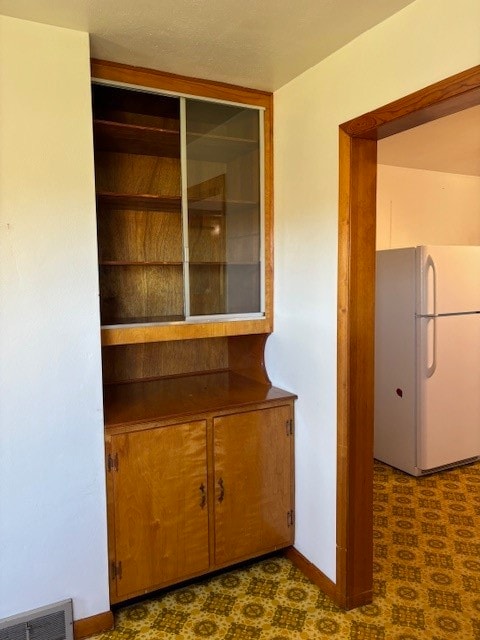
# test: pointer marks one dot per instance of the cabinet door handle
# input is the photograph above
(203, 496)
(221, 495)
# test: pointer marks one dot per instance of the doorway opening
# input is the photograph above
(356, 302)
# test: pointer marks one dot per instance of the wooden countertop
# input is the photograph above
(146, 400)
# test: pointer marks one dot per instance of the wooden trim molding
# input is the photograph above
(443, 98)
(356, 297)
(114, 71)
(311, 572)
(355, 324)
(87, 627)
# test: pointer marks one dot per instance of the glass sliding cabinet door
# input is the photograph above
(223, 191)
(179, 186)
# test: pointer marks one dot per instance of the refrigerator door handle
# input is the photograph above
(431, 367)
(430, 266)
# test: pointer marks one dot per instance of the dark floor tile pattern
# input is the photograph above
(426, 579)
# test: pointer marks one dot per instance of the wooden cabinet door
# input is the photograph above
(160, 506)
(253, 483)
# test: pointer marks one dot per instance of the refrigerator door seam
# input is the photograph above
(445, 315)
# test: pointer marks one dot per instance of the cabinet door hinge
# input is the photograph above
(289, 427)
(112, 462)
(116, 570)
(290, 518)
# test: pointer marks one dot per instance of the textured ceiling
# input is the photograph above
(256, 43)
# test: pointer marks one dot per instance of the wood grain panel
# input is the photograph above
(137, 174)
(161, 514)
(137, 107)
(206, 238)
(246, 356)
(160, 359)
(207, 289)
(253, 482)
(143, 236)
(135, 292)
(127, 138)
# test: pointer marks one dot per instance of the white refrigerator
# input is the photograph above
(427, 357)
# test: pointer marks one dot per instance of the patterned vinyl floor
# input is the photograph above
(426, 569)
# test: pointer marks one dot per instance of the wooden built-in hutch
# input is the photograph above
(199, 443)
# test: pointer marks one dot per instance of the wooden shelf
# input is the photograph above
(137, 139)
(217, 263)
(166, 263)
(171, 204)
(217, 148)
(141, 202)
(152, 320)
(214, 206)
(127, 403)
(136, 263)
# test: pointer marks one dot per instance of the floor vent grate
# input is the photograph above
(53, 622)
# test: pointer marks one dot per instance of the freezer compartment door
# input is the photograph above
(448, 390)
(449, 279)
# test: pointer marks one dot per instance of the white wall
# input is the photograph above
(52, 493)
(427, 41)
(416, 207)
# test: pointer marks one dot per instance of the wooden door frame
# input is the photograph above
(355, 324)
